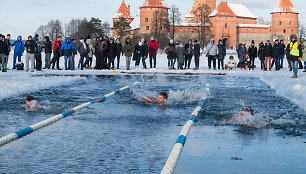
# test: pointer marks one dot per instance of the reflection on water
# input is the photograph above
(126, 135)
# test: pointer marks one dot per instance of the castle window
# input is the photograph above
(147, 19)
(284, 30)
(290, 23)
(280, 22)
(225, 25)
(147, 28)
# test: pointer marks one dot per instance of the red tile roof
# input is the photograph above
(123, 11)
(223, 10)
(285, 6)
(154, 3)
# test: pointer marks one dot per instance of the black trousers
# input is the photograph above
(197, 61)
(221, 62)
(188, 58)
(152, 58)
(211, 59)
(111, 62)
(38, 62)
(54, 60)
(99, 60)
(252, 65)
(118, 60)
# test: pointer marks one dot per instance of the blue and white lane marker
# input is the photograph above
(23, 132)
(178, 147)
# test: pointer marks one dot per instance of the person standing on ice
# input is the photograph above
(128, 50)
(153, 47)
(18, 50)
(37, 52)
(189, 53)
(56, 52)
(212, 52)
(261, 55)
(288, 56)
(48, 51)
(83, 50)
(268, 55)
(296, 53)
(242, 55)
(67, 49)
(30, 47)
(304, 56)
(252, 55)
(118, 51)
(100, 51)
(3, 51)
(180, 54)
(276, 52)
(111, 53)
(140, 49)
(221, 55)
(91, 52)
(8, 43)
(197, 54)
(170, 51)
(282, 53)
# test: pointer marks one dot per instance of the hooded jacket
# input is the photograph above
(222, 51)
(171, 51)
(47, 45)
(197, 50)
(276, 50)
(57, 47)
(212, 49)
(153, 47)
(128, 49)
(261, 52)
(189, 48)
(252, 52)
(268, 50)
(19, 46)
(30, 46)
(180, 54)
(91, 48)
(67, 48)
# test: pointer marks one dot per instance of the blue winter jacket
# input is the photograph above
(19, 46)
(67, 47)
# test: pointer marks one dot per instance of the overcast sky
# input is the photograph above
(23, 17)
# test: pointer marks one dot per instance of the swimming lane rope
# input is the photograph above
(178, 147)
(23, 132)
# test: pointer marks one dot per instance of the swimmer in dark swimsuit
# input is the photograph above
(161, 98)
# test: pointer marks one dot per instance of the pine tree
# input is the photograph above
(122, 27)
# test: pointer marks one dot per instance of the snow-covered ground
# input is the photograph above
(19, 82)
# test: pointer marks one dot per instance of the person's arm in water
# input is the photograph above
(149, 99)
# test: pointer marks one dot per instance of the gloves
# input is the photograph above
(300, 58)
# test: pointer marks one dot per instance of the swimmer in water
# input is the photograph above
(245, 111)
(31, 104)
(161, 98)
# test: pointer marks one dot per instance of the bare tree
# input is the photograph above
(122, 27)
(55, 29)
(302, 32)
(174, 18)
(42, 31)
(73, 28)
(160, 22)
(106, 28)
(201, 17)
(262, 21)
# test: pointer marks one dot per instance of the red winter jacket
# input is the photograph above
(57, 45)
(153, 47)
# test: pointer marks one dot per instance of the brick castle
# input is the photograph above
(233, 23)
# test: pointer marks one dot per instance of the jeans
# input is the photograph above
(252, 63)
(221, 61)
(38, 62)
(83, 64)
(118, 60)
(304, 65)
(170, 62)
(2, 61)
(15, 57)
(188, 58)
(282, 60)
(143, 59)
(48, 60)
(174, 61)
(197, 61)
(262, 63)
(70, 60)
(152, 58)
(277, 62)
(295, 67)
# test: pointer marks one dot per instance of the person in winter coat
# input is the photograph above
(261, 55)
(296, 53)
(153, 47)
(231, 64)
(37, 52)
(67, 50)
(252, 52)
(140, 49)
(101, 48)
(189, 53)
(3, 51)
(56, 52)
(91, 52)
(105, 65)
(282, 53)
(212, 52)
(304, 56)
(118, 51)
(30, 48)
(268, 55)
(276, 52)
(8, 43)
(111, 54)
(83, 50)
(243, 56)
(180, 54)
(288, 56)
(221, 55)
(170, 54)
(18, 50)
(128, 51)
(74, 53)
(197, 54)
(48, 50)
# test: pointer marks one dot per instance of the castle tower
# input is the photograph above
(123, 12)
(284, 19)
(148, 12)
(189, 18)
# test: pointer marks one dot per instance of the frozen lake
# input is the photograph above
(126, 135)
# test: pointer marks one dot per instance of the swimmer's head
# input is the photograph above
(162, 97)
(29, 99)
(247, 110)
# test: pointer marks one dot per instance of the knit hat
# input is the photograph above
(253, 42)
(152, 38)
(293, 36)
(37, 42)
